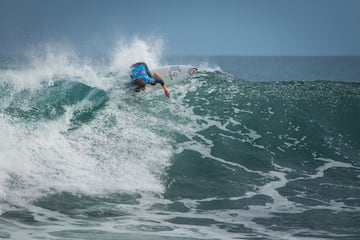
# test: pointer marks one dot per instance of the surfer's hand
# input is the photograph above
(167, 94)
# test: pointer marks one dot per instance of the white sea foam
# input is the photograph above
(126, 53)
(47, 63)
(114, 152)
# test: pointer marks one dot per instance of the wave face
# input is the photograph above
(83, 158)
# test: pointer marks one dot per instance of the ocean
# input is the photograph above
(250, 147)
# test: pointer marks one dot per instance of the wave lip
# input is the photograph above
(51, 102)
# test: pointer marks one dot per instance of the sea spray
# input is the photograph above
(127, 53)
(66, 143)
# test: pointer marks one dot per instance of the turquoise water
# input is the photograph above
(227, 157)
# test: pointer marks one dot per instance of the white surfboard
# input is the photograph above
(175, 73)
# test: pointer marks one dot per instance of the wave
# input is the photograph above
(63, 130)
(51, 102)
(223, 157)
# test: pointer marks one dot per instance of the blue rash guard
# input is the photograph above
(140, 71)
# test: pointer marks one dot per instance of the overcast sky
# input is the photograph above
(195, 27)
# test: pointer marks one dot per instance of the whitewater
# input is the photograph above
(82, 157)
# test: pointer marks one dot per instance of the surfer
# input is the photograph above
(140, 76)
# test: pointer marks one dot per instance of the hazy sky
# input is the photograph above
(211, 27)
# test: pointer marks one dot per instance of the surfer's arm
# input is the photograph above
(158, 79)
(166, 91)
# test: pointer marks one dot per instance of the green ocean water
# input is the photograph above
(227, 157)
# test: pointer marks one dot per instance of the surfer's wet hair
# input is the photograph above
(139, 84)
